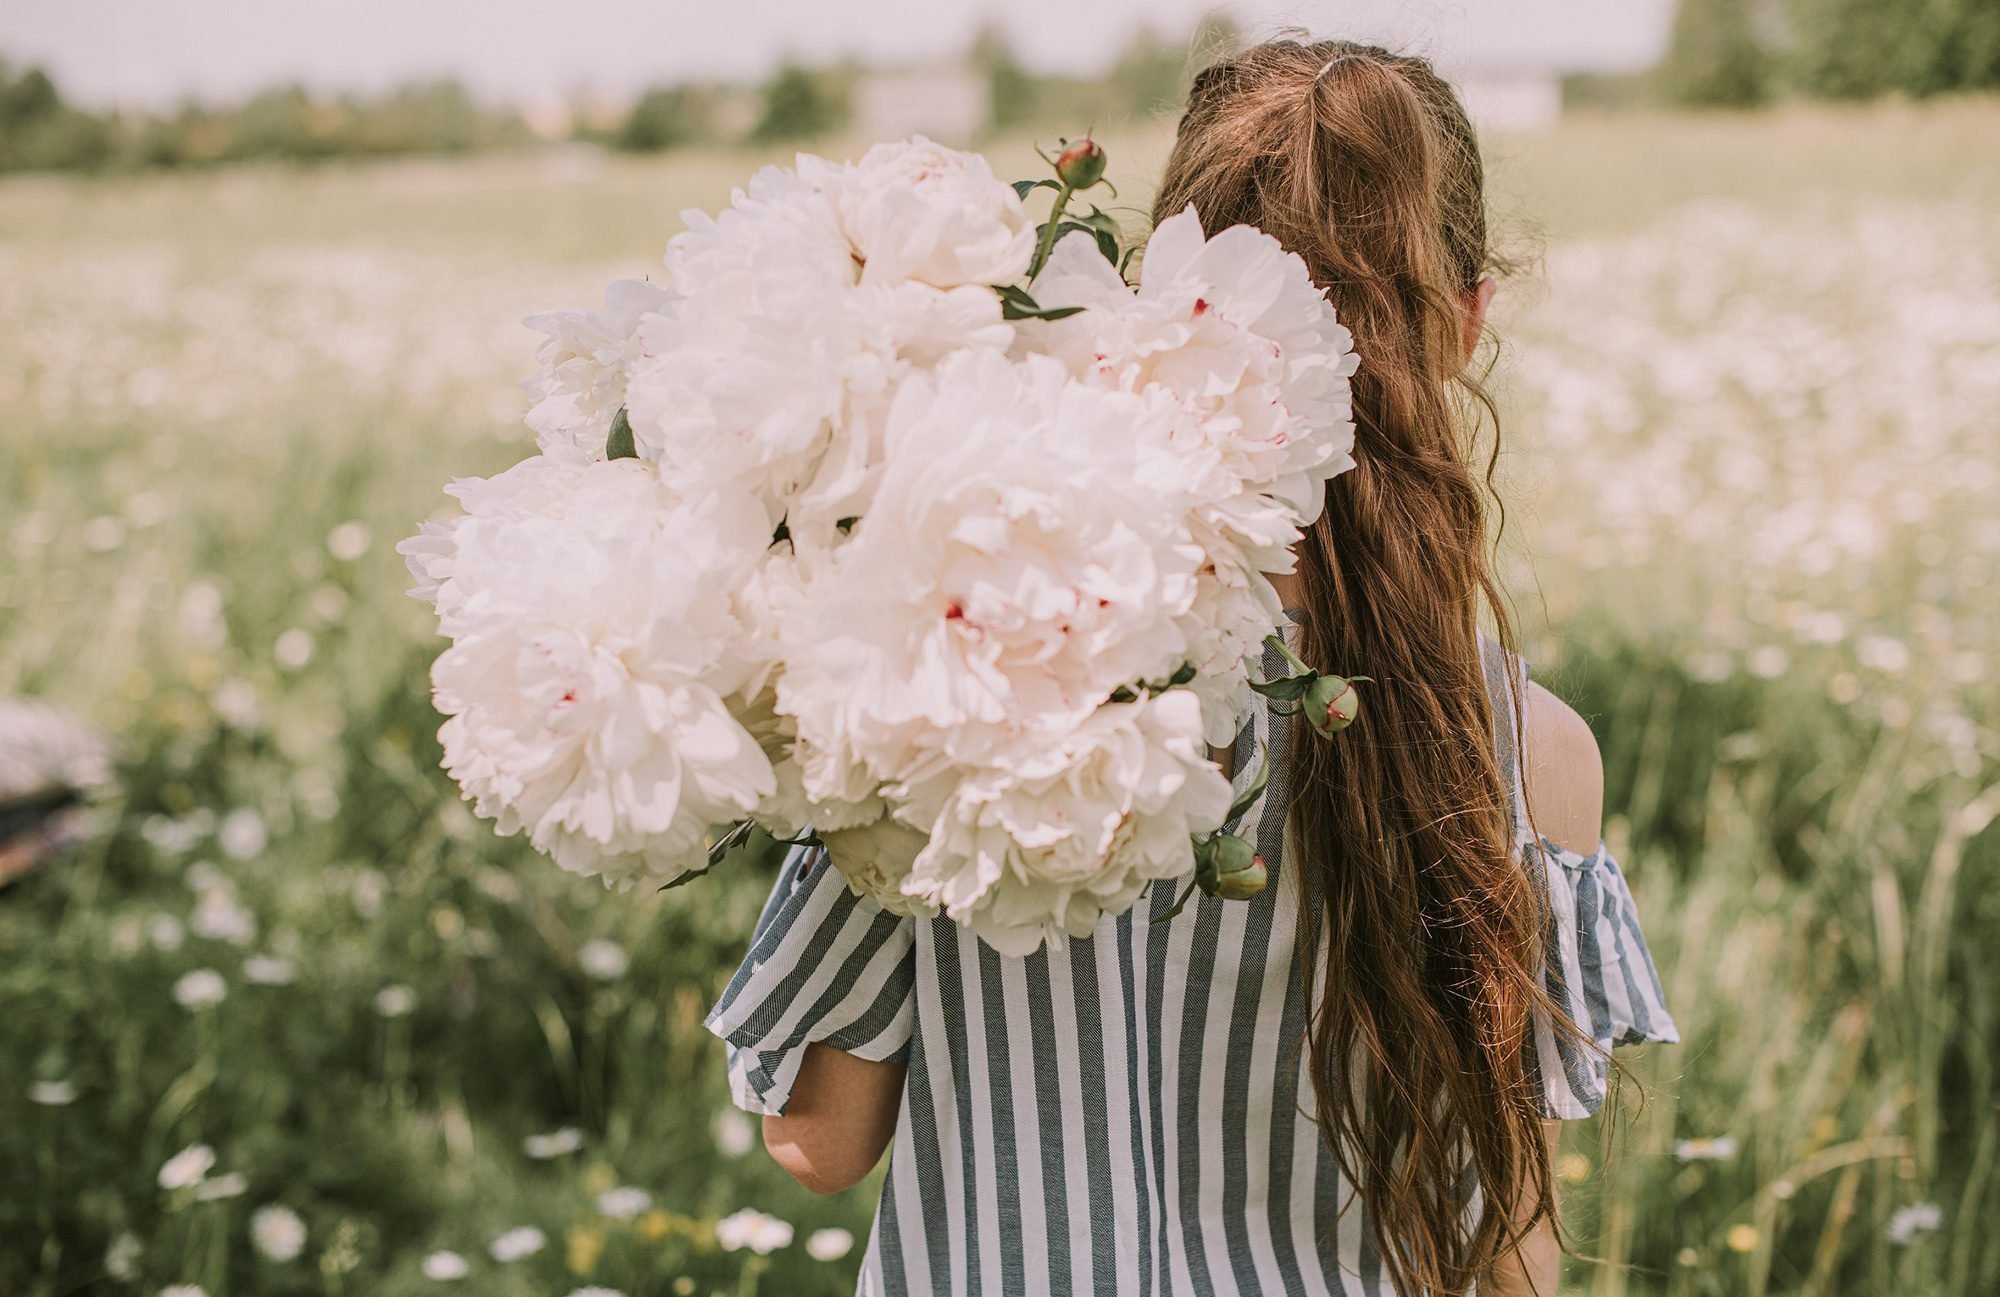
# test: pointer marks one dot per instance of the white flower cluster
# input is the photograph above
(869, 556)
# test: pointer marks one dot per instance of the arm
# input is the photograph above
(841, 1116)
(1563, 772)
(1564, 775)
(1535, 1268)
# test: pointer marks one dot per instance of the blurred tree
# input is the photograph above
(38, 131)
(1151, 77)
(669, 117)
(1849, 49)
(1716, 56)
(1010, 90)
(1949, 45)
(799, 104)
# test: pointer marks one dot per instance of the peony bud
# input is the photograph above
(1081, 165)
(1331, 704)
(1230, 868)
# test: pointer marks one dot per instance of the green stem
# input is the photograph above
(1048, 242)
(1288, 655)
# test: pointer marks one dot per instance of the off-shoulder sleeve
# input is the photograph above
(1598, 972)
(824, 965)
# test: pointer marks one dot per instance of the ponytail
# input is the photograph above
(1420, 925)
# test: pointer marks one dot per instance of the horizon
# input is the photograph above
(134, 55)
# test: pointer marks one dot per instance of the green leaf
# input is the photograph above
(1026, 187)
(1285, 688)
(1180, 904)
(1248, 797)
(620, 444)
(1015, 304)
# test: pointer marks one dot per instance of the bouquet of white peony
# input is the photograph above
(896, 517)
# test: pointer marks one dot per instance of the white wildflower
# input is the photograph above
(1917, 1218)
(733, 1133)
(623, 1203)
(754, 1230)
(555, 1143)
(188, 1167)
(268, 970)
(349, 540)
(232, 1185)
(200, 988)
(278, 1232)
(514, 1244)
(242, 834)
(1717, 1149)
(829, 1244)
(52, 1094)
(603, 959)
(443, 1267)
(121, 1259)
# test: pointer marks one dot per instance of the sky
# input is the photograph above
(146, 53)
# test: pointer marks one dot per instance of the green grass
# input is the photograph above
(1751, 453)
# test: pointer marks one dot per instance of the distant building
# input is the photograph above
(948, 103)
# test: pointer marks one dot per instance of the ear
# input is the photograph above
(1474, 304)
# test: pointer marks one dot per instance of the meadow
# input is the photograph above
(1750, 371)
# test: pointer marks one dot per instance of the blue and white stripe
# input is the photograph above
(1129, 1114)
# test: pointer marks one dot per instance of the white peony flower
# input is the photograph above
(875, 858)
(918, 210)
(556, 1143)
(444, 1267)
(1045, 841)
(200, 988)
(754, 1230)
(623, 1203)
(604, 960)
(829, 1244)
(188, 1167)
(1013, 571)
(595, 637)
(1234, 328)
(278, 1232)
(769, 373)
(586, 362)
(514, 1244)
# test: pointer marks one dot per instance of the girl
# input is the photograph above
(1348, 1084)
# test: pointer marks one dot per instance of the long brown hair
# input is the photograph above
(1364, 163)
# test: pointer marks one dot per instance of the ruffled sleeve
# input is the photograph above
(1598, 971)
(824, 965)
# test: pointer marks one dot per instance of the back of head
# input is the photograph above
(1364, 164)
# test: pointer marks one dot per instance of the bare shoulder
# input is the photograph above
(1563, 771)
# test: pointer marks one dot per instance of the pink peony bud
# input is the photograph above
(1081, 165)
(1230, 868)
(1331, 704)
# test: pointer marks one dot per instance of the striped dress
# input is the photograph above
(1128, 1114)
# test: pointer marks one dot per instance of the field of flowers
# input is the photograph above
(295, 1023)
